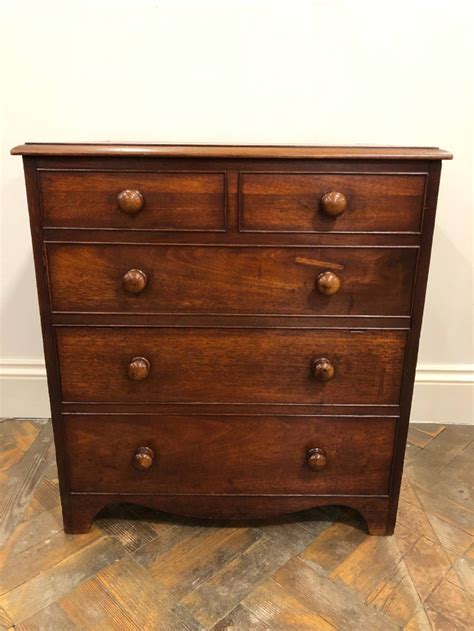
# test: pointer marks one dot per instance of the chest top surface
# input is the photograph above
(231, 151)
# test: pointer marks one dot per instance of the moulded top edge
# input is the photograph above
(230, 151)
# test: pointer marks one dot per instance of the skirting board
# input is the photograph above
(444, 393)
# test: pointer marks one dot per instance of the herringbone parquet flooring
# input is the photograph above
(316, 570)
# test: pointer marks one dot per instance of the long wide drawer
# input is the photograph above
(231, 280)
(141, 201)
(228, 365)
(229, 454)
(316, 202)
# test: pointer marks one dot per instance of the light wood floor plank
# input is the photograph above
(44, 589)
(136, 592)
(337, 604)
(28, 473)
(51, 618)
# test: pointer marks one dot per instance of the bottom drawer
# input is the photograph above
(229, 454)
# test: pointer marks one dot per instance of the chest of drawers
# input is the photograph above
(231, 332)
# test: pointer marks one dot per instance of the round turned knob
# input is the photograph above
(333, 203)
(138, 368)
(323, 369)
(143, 458)
(316, 459)
(130, 201)
(328, 283)
(134, 281)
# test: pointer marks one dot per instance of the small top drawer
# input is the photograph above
(129, 200)
(312, 202)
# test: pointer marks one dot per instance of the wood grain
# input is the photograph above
(52, 584)
(318, 567)
(245, 455)
(250, 207)
(231, 151)
(26, 476)
(225, 280)
(83, 508)
(244, 366)
(134, 589)
(23, 566)
(173, 201)
(287, 202)
(340, 607)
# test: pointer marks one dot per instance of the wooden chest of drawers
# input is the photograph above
(231, 331)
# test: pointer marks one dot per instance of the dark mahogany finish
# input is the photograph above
(231, 280)
(229, 365)
(283, 202)
(231, 331)
(230, 454)
(159, 201)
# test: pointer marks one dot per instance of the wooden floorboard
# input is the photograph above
(318, 570)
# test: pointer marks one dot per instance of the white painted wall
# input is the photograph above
(248, 71)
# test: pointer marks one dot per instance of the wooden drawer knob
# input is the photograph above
(138, 368)
(328, 283)
(134, 281)
(333, 203)
(130, 201)
(316, 459)
(143, 458)
(323, 369)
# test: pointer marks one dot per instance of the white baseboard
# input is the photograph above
(444, 393)
(23, 389)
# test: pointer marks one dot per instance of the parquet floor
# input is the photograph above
(315, 570)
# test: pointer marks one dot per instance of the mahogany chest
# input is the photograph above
(231, 331)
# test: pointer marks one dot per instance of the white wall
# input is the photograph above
(248, 71)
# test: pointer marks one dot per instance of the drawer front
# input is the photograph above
(206, 365)
(233, 454)
(147, 201)
(231, 280)
(277, 202)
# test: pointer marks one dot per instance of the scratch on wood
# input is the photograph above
(304, 261)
